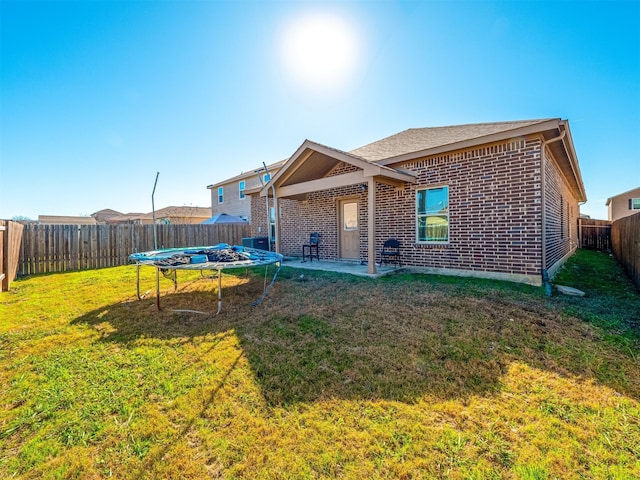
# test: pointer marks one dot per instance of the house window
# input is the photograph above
(350, 216)
(220, 194)
(634, 204)
(432, 215)
(241, 187)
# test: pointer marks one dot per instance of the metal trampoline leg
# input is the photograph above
(158, 288)
(219, 292)
(138, 281)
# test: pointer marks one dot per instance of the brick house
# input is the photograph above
(495, 200)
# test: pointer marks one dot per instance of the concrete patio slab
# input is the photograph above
(351, 268)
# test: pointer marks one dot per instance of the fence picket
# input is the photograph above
(626, 245)
(59, 248)
(594, 234)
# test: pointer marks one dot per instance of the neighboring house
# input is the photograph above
(127, 219)
(495, 200)
(65, 220)
(624, 204)
(229, 195)
(167, 215)
(174, 215)
(225, 219)
(103, 216)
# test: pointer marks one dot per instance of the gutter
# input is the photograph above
(543, 212)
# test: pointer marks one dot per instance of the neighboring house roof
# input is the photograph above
(224, 218)
(106, 212)
(167, 212)
(126, 217)
(273, 168)
(181, 212)
(623, 194)
(65, 220)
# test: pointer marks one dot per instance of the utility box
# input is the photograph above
(261, 243)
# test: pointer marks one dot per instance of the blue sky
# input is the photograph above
(96, 97)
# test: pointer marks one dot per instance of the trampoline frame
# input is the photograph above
(159, 260)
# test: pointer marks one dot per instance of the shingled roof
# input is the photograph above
(419, 139)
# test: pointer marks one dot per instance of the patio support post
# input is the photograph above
(371, 227)
(276, 218)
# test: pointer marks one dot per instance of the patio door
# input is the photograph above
(349, 228)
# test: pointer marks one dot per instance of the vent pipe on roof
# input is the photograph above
(543, 213)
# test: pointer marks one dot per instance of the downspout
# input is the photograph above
(580, 225)
(371, 227)
(266, 198)
(543, 212)
(276, 214)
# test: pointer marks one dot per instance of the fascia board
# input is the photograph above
(573, 159)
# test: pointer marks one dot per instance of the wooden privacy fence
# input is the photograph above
(594, 234)
(625, 240)
(10, 237)
(60, 248)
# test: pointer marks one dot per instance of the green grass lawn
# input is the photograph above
(331, 376)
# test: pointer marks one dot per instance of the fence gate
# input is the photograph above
(594, 234)
(10, 239)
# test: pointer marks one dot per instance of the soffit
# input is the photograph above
(309, 166)
(564, 153)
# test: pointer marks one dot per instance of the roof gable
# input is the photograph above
(313, 161)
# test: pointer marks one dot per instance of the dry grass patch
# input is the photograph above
(330, 377)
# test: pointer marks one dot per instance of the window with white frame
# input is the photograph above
(220, 194)
(634, 204)
(241, 187)
(432, 215)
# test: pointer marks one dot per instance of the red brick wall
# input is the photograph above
(494, 208)
(562, 212)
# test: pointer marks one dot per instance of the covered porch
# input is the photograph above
(334, 193)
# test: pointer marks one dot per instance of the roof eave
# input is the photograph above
(473, 142)
(244, 175)
(573, 160)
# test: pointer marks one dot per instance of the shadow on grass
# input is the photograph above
(318, 336)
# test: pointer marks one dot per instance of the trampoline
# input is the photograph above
(218, 257)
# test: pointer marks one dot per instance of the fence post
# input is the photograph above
(3, 259)
(11, 240)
